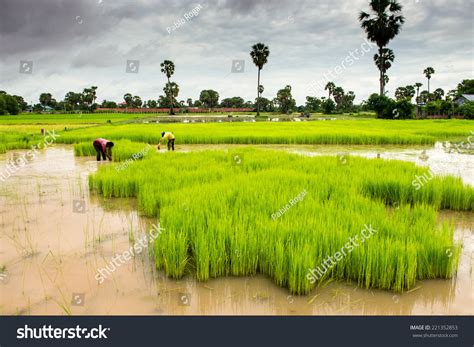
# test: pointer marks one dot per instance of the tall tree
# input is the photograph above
(285, 99)
(21, 102)
(89, 95)
(428, 72)
(410, 92)
(74, 100)
(384, 62)
(338, 94)
(128, 99)
(424, 96)
(172, 91)
(45, 99)
(235, 101)
(313, 104)
(438, 94)
(151, 104)
(418, 85)
(451, 95)
(465, 87)
(94, 93)
(400, 93)
(209, 98)
(137, 101)
(382, 25)
(330, 88)
(259, 55)
(167, 67)
(406, 92)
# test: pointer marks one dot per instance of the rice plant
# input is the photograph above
(356, 132)
(218, 216)
(123, 150)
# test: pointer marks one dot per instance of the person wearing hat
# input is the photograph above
(103, 148)
(167, 136)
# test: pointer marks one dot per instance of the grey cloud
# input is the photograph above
(73, 42)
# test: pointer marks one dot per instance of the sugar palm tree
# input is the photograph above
(330, 86)
(172, 90)
(259, 55)
(167, 67)
(384, 62)
(382, 25)
(418, 85)
(438, 94)
(428, 72)
(338, 94)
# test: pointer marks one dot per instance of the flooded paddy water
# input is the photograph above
(54, 236)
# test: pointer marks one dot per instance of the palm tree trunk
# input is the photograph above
(428, 87)
(258, 93)
(171, 97)
(381, 72)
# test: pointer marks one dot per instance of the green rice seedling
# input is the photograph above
(84, 149)
(350, 132)
(283, 215)
(124, 150)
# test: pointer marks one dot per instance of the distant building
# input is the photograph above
(464, 98)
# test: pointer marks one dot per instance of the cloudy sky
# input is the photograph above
(73, 44)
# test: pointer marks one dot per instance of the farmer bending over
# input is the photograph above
(103, 147)
(167, 136)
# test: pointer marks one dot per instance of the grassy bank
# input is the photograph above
(218, 210)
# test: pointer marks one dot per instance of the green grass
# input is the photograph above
(122, 150)
(343, 132)
(356, 132)
(67, 119)
(217, 216)
(24, 136)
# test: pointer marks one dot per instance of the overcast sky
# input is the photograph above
(74, 44)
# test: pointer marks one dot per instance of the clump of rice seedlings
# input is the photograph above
(122, 151)
(220, 218)
(84, 149)
(442, 192)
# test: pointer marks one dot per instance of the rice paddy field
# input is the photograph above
(218, 216)
(355, 132)
(68, 119)
(248, 213)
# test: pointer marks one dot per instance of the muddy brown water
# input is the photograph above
(54, 236)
